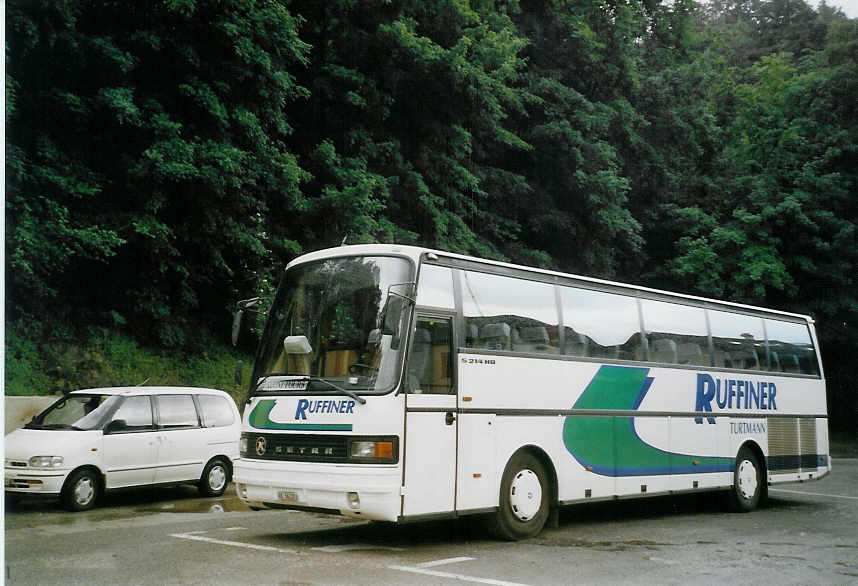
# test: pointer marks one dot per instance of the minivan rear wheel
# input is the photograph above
(215, 477)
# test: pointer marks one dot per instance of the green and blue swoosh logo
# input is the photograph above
(260, 418)
(610, 445)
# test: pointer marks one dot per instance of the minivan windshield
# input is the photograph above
(80, 412)
(336, 325)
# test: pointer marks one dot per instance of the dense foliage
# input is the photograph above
(164, 159)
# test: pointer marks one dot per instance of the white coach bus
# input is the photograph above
(399, 383)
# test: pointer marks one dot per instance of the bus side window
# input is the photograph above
(601, 325)
(429, 369)
(435, 287)
(790, 347)
(738, 340)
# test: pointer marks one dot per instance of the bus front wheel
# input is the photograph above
(524, 499)
(749, 480)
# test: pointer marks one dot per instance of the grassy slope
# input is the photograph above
(111, 359)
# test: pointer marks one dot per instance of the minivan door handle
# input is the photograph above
(450, 418)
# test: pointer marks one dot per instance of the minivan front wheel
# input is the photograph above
(215, 478)
(80, 491)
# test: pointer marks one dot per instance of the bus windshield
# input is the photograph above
(336, 324)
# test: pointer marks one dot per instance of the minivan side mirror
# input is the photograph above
(116, 426)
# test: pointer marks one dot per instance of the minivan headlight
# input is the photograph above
(46, 461)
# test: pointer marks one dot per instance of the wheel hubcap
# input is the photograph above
(747, 479)
(84, 491)
(217, 477)
(525, 495)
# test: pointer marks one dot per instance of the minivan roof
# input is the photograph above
(153, 390)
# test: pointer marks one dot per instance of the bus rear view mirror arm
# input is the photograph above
(238, 314)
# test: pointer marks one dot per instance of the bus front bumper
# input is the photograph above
(366, 492)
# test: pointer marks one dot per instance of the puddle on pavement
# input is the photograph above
(226, 505)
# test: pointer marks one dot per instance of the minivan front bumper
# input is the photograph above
(30, 481)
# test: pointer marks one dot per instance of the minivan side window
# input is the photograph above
(216, 411)
(176, 411)
(136, 412)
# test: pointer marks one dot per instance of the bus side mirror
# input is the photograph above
(392, 315)
(394, 309)
(238, 314)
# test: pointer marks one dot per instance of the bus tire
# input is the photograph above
(81, 490)
(524, 499)
(748, 481)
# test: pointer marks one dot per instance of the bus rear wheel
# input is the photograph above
(524, 499)
(749, 480)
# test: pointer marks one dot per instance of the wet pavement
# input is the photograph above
(807, 534)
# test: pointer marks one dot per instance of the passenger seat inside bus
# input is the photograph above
(534, 339)
(663, 350)
(495, 336)
(576, 344)
(690, 353)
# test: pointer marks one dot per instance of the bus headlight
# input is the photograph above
(382, 450)
(242, 446)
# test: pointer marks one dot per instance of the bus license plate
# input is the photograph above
(287, 495)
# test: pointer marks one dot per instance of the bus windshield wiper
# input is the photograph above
(352, 394)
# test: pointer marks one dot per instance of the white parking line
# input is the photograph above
(444, 562)
(419, 569)
(353, 547)
(834, 496)
(451, 576)
(196, 537)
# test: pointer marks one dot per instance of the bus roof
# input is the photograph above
(415, 253)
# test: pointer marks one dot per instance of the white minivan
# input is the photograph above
(97, 440)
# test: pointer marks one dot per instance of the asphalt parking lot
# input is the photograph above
(807, 534)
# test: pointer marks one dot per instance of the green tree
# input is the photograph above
(581, 71)
(147, 168)
(409, 109)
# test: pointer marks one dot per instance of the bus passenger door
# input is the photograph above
(430, 420)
